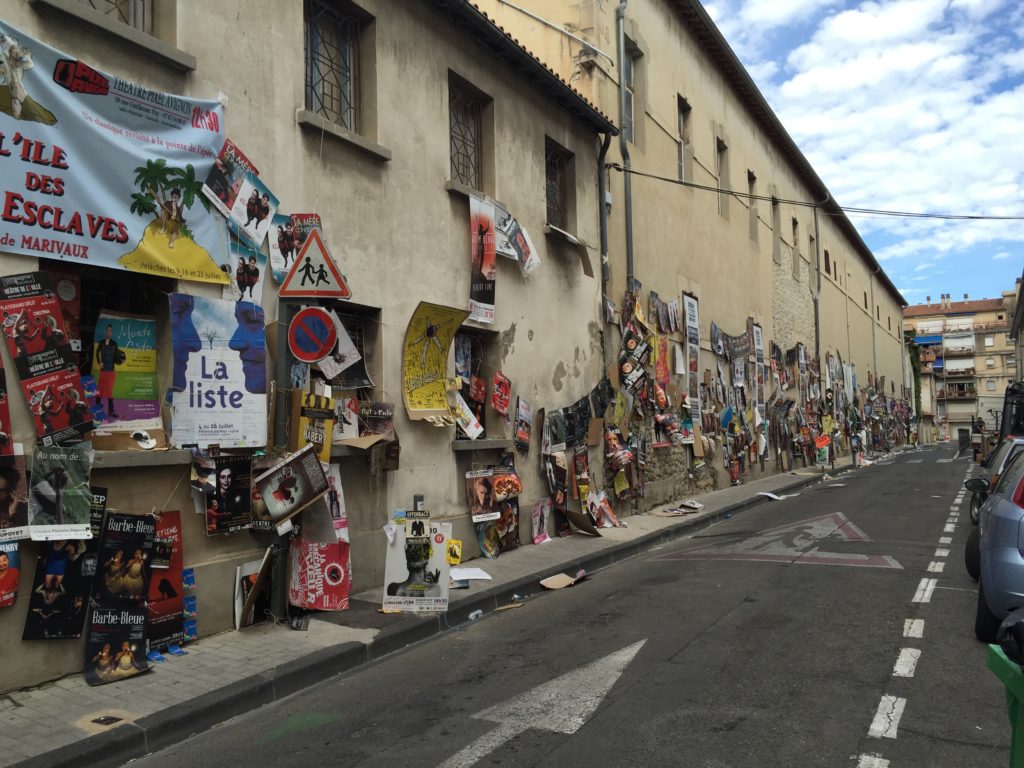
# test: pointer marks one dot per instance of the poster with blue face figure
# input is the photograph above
(219, 380)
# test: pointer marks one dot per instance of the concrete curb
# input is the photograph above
(162, 729)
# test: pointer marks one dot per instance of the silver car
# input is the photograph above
(1001, 586)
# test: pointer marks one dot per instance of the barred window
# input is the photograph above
(137, 14)
(558, 181)
(331, 40)
(465, 116)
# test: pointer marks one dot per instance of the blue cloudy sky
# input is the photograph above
(909, 105)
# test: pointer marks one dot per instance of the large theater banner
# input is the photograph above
(100, 170)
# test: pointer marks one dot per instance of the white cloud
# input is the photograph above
(910, 105)
(1002, 255)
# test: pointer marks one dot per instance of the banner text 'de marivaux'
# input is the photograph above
(99, 170)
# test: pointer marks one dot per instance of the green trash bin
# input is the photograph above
(1009, 672)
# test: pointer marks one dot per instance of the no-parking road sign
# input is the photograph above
(312, 334)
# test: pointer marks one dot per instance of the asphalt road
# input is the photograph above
(775, 638)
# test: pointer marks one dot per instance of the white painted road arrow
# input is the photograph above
(561, 705)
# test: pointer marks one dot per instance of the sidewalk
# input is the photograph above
(54, 725)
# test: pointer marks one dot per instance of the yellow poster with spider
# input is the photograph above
(428, 338)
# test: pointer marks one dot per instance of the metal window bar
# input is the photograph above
(137, 14)
(331, 55)
(556, 172)
(465, 130)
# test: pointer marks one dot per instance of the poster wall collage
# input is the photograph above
(109, 183)
(105, 180)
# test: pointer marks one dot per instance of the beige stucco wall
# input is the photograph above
(681, 239)
(397, 234)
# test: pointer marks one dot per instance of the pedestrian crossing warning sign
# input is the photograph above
(314, 273)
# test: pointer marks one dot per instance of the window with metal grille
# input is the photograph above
(331, 63)
(137, 14)
(465, 128)
(557, 180)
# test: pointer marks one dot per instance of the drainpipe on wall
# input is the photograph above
(817, 289)
(874, 347)
(602, 213)
(627, 180)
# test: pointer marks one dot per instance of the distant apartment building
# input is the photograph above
(967, 359)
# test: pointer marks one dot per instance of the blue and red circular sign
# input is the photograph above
(312, 334)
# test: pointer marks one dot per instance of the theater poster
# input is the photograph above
(165, 602)
(124, 369)
(60, 498)
(320, 576)
(484, 260)
(37, 339)
(6, 432)
(103, 171)
(219, 375)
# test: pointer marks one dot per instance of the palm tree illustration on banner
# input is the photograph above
(168, 193)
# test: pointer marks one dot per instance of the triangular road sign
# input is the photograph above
(314, 275)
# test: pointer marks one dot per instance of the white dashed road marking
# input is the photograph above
(906, 663)
(872, 761)
(887, 718)
(941, 552)
(945, 540)
(924, 591)
(936, 567)
(913, 628)
(949, 528)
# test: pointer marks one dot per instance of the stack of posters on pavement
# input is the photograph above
(320, 573)
(219, 380)
(252, 590)
(416, 571)
(60, 498)
(47, 366)
(63, 581)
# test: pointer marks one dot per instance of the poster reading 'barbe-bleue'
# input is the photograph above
(101, 170)
(219, 378)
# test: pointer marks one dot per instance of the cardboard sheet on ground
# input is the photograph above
(776, 497)
(562, 580)
(469, 574)
(425, 347)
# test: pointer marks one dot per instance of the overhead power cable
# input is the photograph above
(845, 209)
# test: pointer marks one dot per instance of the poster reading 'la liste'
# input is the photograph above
(219, 375)
(48, 368)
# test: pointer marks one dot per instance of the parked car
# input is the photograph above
(1001, 582)
(992, 467)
